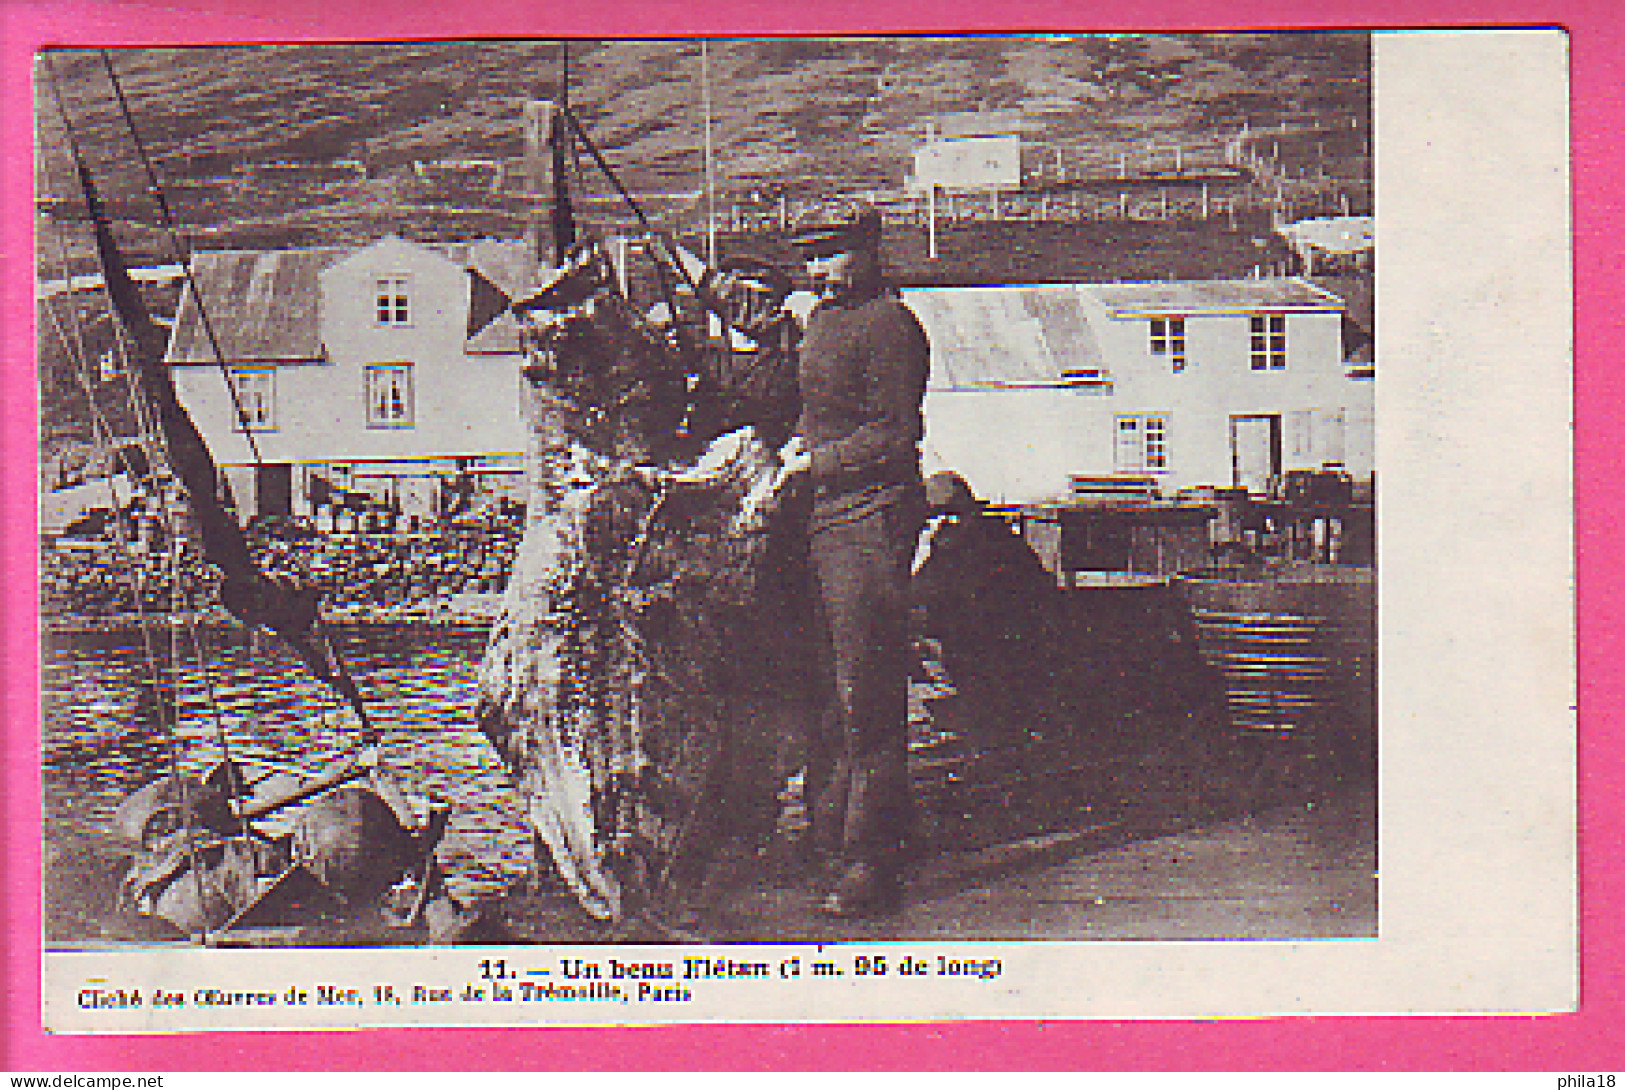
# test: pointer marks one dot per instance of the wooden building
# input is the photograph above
(388, 371)
(1168, 386)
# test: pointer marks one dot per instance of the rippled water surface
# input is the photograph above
(117, 709)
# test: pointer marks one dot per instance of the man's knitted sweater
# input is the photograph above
(864, 364)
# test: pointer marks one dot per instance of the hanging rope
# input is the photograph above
(182, 256)
(614, 180)
(183, 610)
(247, 592)
(182, 607)
(166, 717)
(137, 336)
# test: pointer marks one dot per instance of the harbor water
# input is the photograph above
(119, 710)
(1132, 741)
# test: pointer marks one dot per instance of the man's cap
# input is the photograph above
(835, 226)
(746, 267)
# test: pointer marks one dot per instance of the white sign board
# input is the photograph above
(973, 162)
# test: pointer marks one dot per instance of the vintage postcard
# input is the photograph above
(805, 529)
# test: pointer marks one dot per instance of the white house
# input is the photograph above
(387, 369)
(1226, 383)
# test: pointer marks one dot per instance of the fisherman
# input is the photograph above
(862, 374)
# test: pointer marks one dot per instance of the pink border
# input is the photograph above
(1587, 1041)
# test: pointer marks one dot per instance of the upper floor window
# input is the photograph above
(1142, 444)
(1268, 342)
(393, 301)
(254, 391)
(389, 396)
(1168, 339)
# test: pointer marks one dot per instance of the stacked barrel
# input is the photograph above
(1296, 650)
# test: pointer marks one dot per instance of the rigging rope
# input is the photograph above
(230, 552)
(265, 600)
(184, 602)
(155, 675)
(182, 257)
(615, 181)
(183, 605)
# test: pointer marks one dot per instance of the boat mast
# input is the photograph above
(563, 213)
(710, 159)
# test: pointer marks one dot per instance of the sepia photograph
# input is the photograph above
(673, 491)
(633, 530)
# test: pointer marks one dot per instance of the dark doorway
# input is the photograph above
(273, 489)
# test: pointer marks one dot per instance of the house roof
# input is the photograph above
(492, 328)
(265, 305)
(508, 264)
(1040, 335)
(1005, 336)
(261, 305)
(502, 270)
(1213, 297)
(1334, 234)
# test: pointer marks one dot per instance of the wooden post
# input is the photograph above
(930, 231)
(538, 131)
(351, 768)
(710, 158)
(542, 127)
